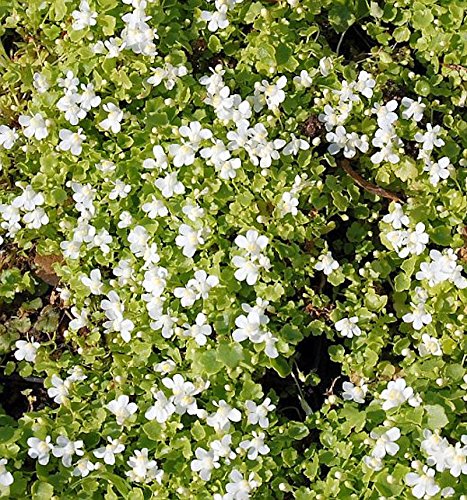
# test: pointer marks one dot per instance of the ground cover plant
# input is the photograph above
(232, 249)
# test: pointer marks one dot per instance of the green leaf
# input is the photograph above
(42, 491)
(152, 429)
(402, 282)
(230, 354)
(281, 365)
(441, 235)
(283, 53)
(209, 362)
(437, 418)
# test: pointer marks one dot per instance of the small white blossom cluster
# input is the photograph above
(405, 241)
(75, 106)
(253, 260)
(441, 456)
(218, 19)
(25, 208)
(60, 388)
(252, 326)
(442, 267)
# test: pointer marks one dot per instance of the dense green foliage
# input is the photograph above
(194, 197)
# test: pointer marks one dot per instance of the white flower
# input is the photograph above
(34, 126)
(289, 204)
(257, 414)
(8, 136)
(353, 392)
(249, 327)
(456, 460)
(183, 394)
(385, 115)
(423, 483)
(199, 331)
(83, 467)
(172, 74)
(94, 282)
(162, 408)
(229, 168)
(160, 159)
(418, 317)
(59, 390)
(36, 219)
(396, 217)
(27, 200)
(122, 408)
(303, 79)
(430, 138)
(155, 208)
(83, 17)
(221, 448)
(193, 211)
(220, 420)
(66, 449)
(80, 319)
(138, 239)
(438, 170)
(430, 346)
(295, 145)
(269, 93)
(255, 446)
(373, 463)
(240, 488)
(252, 242)
(409, 242)
(40, 449)
(413, 109)
(169, 185)
(69, 83)
(326, 263)
(88, 98)
(40, 83)
(71, 141)
(204, 463)
(325, 65)
(386, 442)
(6, 478)
(120, 190)
(155, 280)
(69, 104)
(143, 470)
(76, 374)
(106, 166)
(216, 20)
(109, 451)
(182, 154)
(350, 142)
(443, 267)
(346, 93)
(396, 393)
(247, 270)
(332, 117)
(437, 448)
(348, 327)
(165, 366)
(188, 239)
(194, 133)
(203, 283)
(115, 116)
(26, 350)
(196, 288)
(365, 84)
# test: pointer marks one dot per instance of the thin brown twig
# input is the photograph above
(368, 186)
